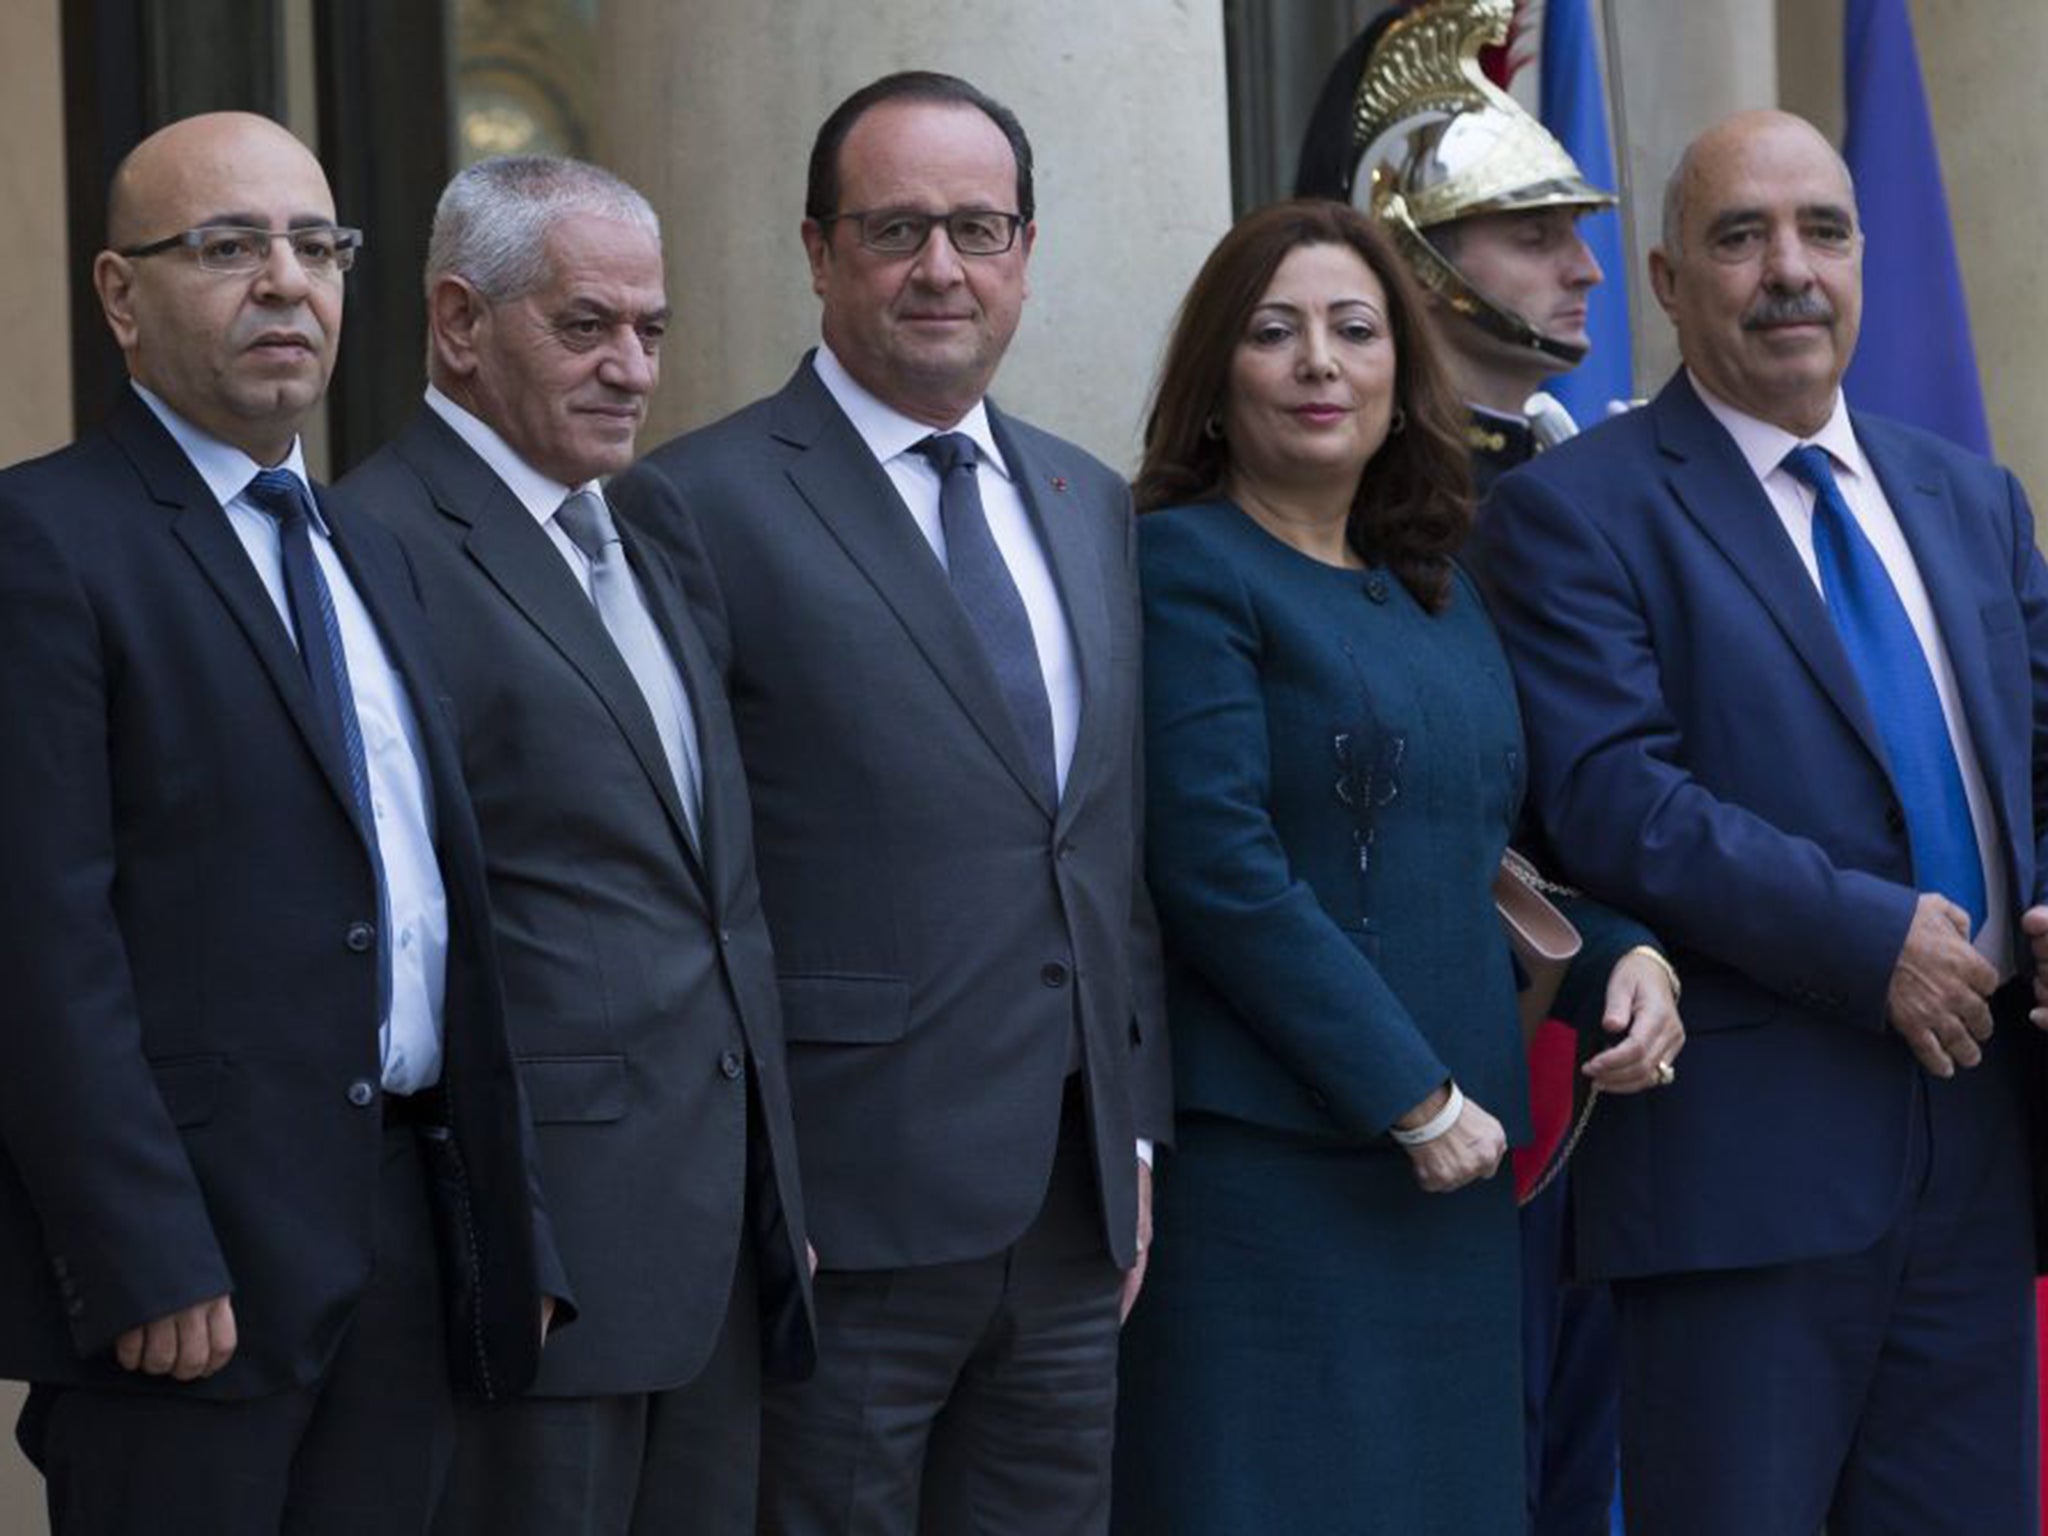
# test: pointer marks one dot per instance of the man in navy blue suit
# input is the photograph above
(265, 1173)
(1784, 669)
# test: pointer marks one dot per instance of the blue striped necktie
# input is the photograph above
(282, 495)
(1898, 685)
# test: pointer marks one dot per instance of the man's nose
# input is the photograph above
(282, 276)
(1583, 267)
(938, 264)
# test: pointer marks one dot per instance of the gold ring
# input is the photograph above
(1667, 1074)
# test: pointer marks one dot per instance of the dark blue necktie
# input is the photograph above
(282, 495)
(1899, 687)
(982, 583)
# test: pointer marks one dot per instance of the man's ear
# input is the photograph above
(457, 316)
(1663, 279)
(113, 278)
(817, 246)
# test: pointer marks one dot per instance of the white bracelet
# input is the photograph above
(1436, 1125)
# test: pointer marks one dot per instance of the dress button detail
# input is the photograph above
(1376, 587)
(362, 1093)
(730, 1064)
(1053, 974)
(361, 938)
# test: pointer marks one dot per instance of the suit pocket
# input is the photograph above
(567, 1090)
(2000, 616)
(845, 1010)
(189, 1086)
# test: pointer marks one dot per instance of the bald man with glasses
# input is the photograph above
(265, 1190)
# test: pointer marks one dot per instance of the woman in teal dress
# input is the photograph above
(1328, 1338)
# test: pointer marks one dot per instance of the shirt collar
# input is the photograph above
(224, 468)
(540, 495)
(886, 430)
(1763, 446)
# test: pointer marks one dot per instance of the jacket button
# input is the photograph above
(361, 937)
(1053, 974)
(362, 1093)
(731, 1064)
(1376, 587)
(724, 937)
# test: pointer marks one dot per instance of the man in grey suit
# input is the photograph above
(925, 612)
(600, 754)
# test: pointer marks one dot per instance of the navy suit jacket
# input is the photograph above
(938, 927)
(1701, 755)
(187, 1104)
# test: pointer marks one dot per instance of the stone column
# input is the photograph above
(1982, 65)
(1680, 68)
(710, 109)
(35, 400)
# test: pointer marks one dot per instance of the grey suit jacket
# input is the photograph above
(638, 978)
(939, 928)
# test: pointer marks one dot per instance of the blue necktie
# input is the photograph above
(282, 495)
(982, 583)
(1899, 687)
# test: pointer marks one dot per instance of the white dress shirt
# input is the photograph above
(890, 436)
(1763, 448)
(409, 1037)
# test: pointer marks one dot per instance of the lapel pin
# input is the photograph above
(1059, 482)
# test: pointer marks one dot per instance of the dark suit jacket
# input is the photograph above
(1701, 755)
(639, 983)
(938, 927)
(191, 1009)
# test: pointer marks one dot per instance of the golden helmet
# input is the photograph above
(1437, 141)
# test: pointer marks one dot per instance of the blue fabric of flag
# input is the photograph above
(1914, 360)
(1574, 109)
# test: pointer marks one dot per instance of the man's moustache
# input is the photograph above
(1790, 309)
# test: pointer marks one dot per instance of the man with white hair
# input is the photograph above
(640, 989)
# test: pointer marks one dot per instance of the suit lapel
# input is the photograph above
(1921, 501)
(854, 498)
(705, 692)
(1076, 565)
(404, 645)
(1713, 483)
(202, 527)
(516, 554)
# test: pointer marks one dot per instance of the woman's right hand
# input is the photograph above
(1471, 1149)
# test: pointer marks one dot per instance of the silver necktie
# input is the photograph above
(588, 521)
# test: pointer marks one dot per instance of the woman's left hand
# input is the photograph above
(1643, 1009)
